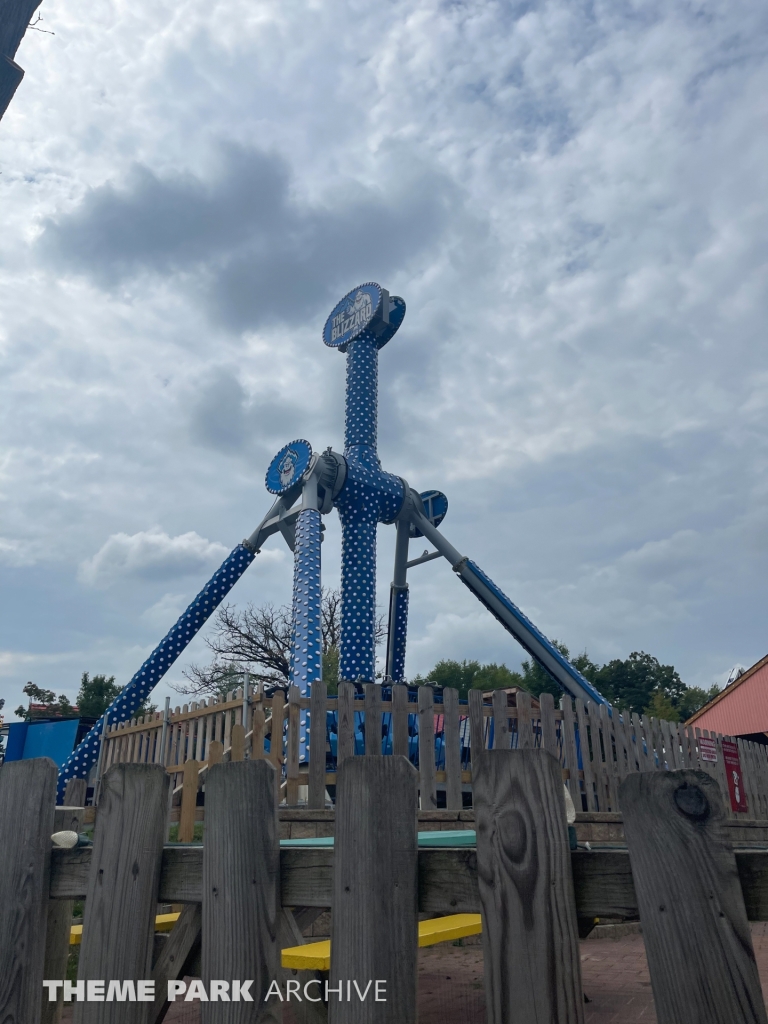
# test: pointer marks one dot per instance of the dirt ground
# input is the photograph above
(614, 974)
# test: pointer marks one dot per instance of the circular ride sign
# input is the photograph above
(352, 315)
(288, 466)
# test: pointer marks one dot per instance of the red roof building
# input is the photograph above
(741, 709)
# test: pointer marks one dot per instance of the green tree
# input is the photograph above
(96, 694)
(331, 669)
(447, 672)
(694, 698)
(54, 707)
(631, 684)
(661, 706)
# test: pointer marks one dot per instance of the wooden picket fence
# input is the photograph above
(597, 746)
(244, 896)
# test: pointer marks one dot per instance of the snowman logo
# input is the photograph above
(356, 304)
(287, 466)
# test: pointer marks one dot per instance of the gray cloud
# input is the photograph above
(242, 239)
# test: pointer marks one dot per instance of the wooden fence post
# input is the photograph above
(427, 782)
(59, 923)
(27, 800)
(695, 928)
(292, 747)
(451, 741)
(372, 718)
(376, 852)
(476, 724)
(318, 701)
(530, 936)
(241, 870)
(501, 733)
(121, 898)
(400, 719)
(189, 789)
(345, 745)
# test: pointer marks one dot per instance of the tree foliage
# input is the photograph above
(258, 640)
(59, 707)
(638, 683)
(96, 694)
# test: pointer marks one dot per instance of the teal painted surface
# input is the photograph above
(464, 837)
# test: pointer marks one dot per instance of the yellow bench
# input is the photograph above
(316, 956)
(163, 923)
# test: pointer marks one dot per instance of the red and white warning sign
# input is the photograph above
(732, 763)
(707, 749)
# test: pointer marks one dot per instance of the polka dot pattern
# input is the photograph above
(306, 649)
(370, 496)
(125, 705)
(399, 627)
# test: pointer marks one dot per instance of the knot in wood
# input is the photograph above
(692, 802)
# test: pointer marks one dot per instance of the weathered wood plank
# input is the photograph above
(376, 851)
(530, 935)
(317, 714)
(571, 755)
(400, 719)
(59, 921)
(501, 733)
(188, 801)
(237, 741)
(525, 739)
(346, 723)
(476, 722)
(447, 879)
(258, 725)
(548, 725)
(74, 793)
(183, 945)
(27, 799)
(610, 767)
(372, 718)
(695, 928)
(292, 753)
(240, 886)
(427, 781)
(590, 782)
(453, 799)
(123, 887)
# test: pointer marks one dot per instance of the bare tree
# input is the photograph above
(258, 641)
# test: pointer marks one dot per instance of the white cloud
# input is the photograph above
(150, 554)
(569, 197)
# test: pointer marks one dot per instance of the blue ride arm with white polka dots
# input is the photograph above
(132, 696)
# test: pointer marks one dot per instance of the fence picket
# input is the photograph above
(318, 700)
(372, 718)
(118, 925)
(501, 734)
(346, 723)
(400, 719)
(427, 783)
(453, 799)
(292, 759)
(688, 893)
(571, 754)
(525, 739)
(589, 744)
(476, 722)
(27, 800)
(548, 725)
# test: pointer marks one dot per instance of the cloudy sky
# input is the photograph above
(570, 196)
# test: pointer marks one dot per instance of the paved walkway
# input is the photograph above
(614, 974)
